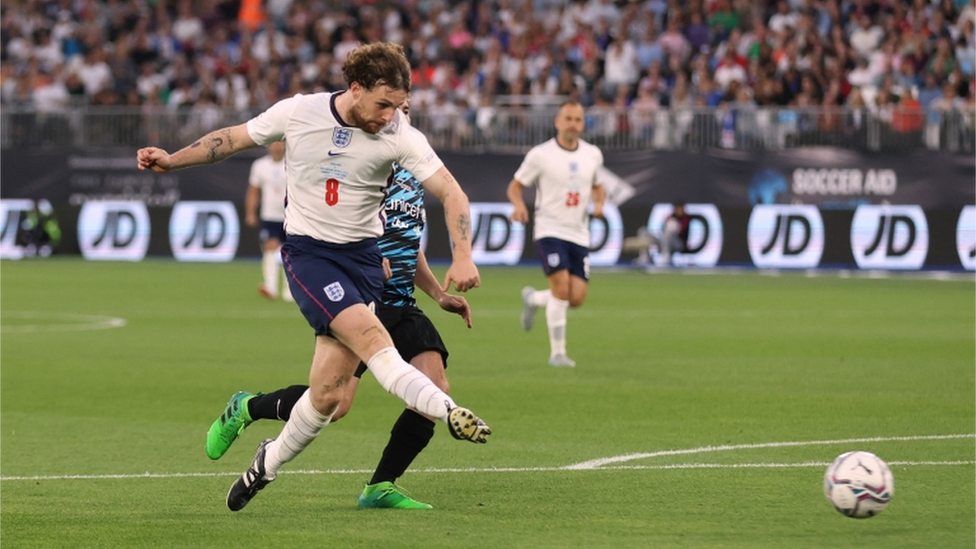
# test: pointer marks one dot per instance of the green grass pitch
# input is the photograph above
(702, 413)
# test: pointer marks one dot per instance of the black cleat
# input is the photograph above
(251, 482)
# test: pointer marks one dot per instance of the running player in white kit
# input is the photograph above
(564, 172)
(340, 151)
(266, 187)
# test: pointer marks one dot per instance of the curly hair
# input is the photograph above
(378, 64)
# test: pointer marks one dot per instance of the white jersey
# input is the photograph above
(269, 176)
(337, 174)
(564, 181)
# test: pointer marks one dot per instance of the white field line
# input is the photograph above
(59, 322)
(576, 467)
(598, 463)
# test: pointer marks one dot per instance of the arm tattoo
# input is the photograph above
(195, 145)
(464, 226)
(230, 139)
(215, 143)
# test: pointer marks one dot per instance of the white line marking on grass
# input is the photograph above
(598, 463)
(585, 466)
(58, 322)
(759, 465)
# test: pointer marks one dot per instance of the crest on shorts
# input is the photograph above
(334, 291)
(553, 260)
(341, 137)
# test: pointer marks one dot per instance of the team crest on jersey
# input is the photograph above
(334, 291)
(341, 137)
(553, 260)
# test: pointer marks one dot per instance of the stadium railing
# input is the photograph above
(512, 127)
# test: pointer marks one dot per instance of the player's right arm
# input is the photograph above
(251, 200)
(526, 175)
(211, 148)
(514, 192)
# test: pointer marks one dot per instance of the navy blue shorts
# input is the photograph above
(272, 229)
(326, 279)
(412, 333)
(557, 255)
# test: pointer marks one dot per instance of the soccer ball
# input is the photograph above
(859, 484)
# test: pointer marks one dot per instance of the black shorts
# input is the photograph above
(412, 333)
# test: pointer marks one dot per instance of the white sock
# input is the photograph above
(285, 288)
(540, 298)
(269, 267)
(408, 383)
(301, 429)
(556, 319)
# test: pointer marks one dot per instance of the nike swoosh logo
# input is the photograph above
(336, 153)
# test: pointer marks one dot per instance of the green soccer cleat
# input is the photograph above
(386, 495)
(229, 425)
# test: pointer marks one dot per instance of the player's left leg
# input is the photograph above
(410, 435)
(270, 266)
(332, 366)
(556, 307)
(569, 288)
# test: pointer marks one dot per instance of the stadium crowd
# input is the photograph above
(639, 57)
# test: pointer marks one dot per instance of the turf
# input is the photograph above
(728, 393)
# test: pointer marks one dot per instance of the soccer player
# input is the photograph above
(340, 151)
(413, 334)
(564, 171)
(266, 186)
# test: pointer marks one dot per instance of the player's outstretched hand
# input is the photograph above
(464, 275)
(152, 158)
(457, 305)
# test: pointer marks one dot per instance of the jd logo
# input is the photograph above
(204, 231)
(209, 228)
(113, 230)
(889, 237)
(12, 212)
(495, 240)
(494, 230)
(785, 236)
(118, 231)
(606, 236)
(966, 237)
(705, 234)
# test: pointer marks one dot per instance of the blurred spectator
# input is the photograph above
(187, 27)
(674, 42)
(930, 91)
(697, 31)
(730, 69)
(649, 51)
(866, 37)
(93, 71)
(620, 65)
(783, 18)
